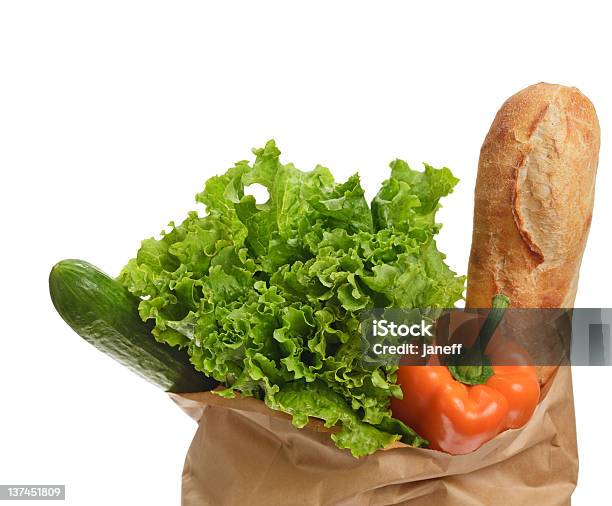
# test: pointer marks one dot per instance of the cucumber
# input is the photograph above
(105, 314)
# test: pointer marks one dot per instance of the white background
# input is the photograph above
(112, 114)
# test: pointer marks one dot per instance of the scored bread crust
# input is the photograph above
(534, 199)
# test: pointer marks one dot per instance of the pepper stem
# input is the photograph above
(473, 367)
(498, 307)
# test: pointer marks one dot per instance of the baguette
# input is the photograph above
(534, 199)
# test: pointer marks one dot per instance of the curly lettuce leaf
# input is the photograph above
(303, 400)
(266, 297)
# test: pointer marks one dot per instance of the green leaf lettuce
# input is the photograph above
(266, 297)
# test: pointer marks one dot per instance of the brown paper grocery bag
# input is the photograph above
(246, 454)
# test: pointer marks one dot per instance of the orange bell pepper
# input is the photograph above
(458, 418)
(460, 408)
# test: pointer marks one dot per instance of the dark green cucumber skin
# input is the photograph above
(105, 314)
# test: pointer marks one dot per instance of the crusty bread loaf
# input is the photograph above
(534, 198)
(533, 202)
